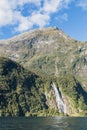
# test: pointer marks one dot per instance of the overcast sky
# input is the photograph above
(17, 16)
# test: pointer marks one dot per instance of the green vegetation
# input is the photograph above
(21, 92)
(73, 89)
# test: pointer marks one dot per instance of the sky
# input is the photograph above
(18, 16)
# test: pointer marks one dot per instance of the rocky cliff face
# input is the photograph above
(51, 53)
(34, 42)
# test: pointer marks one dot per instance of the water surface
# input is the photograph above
(43, 123)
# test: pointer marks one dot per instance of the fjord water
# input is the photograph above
(43, 123)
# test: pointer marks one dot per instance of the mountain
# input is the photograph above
(48, 50)
(54, 58)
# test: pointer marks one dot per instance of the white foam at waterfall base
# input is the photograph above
(60, 104)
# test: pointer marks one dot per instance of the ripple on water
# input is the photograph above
(48, 123)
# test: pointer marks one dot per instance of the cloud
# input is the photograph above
(40, 19)
(51, 6)
(22, 2)
(11, 13)
(62, 18)
(8, 10)
(23, 23)
(82, 4)
(5, 11)
(36, 18)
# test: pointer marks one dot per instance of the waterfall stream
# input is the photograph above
(59, 101)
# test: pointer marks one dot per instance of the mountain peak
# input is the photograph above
(34, 42)
(42, 31)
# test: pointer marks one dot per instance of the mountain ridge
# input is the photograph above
(32, 31)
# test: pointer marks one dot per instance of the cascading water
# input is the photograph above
(60, 104)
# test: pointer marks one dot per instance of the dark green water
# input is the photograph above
(49, 123)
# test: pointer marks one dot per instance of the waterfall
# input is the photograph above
(60, 104)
